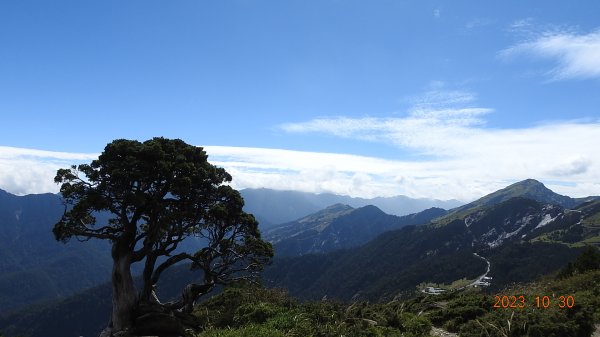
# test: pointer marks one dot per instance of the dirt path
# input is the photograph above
(597, 331)
(437, 332)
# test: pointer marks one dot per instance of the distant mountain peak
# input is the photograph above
(528, 188)
(370, 209)
(529, 184)
(529, 181)
(338, 207)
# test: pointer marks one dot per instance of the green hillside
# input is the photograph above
(252, 311)
(552, 306)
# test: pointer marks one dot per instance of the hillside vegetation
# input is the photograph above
(254, 311)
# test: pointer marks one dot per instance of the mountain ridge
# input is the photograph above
(528, 188)
(277, 207)
(339, 227)
(33, 265)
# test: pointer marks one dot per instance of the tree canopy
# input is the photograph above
(157, 193)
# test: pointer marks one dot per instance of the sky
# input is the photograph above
(436, 99)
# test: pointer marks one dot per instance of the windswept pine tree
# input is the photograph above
(158, 193)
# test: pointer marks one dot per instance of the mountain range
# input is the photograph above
(339, 227)
(34, 267)
(343, 252)
(276, 207)
(516, 229)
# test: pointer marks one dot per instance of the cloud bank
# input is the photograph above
(457, 156)
(27, 171)
(454, 155)
(466, 177)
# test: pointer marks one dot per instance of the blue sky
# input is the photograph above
(450, 99)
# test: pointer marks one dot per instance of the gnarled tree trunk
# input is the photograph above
(124, 297)
(147, 294)
(189, 295)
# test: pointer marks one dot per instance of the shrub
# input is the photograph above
(254, 313)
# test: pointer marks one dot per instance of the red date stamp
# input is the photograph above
(544, 302)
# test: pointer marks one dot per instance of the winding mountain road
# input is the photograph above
(481, 277)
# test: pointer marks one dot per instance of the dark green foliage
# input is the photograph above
(460, 309)
(588, 260)
(472, 313)
(252, 311)
(576, 322)
(524, 262)
(224, 309)
(158, 193)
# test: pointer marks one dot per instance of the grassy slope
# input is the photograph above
(240, 312)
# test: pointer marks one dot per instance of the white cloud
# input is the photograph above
(470, 159)
(577, 56)
(438, 123)
(310, 171)
(463, 158)
(25, 171)
(571, 166)
(499, 158)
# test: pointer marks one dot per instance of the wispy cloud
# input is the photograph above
(439, 122)
(576, 56)
(464, 155)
